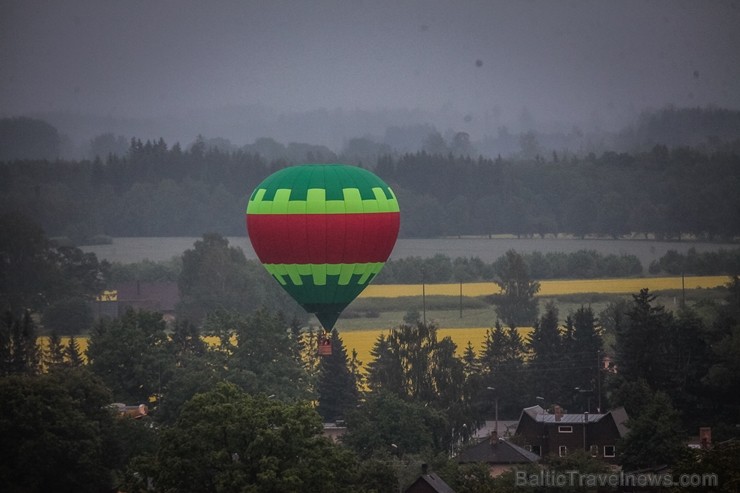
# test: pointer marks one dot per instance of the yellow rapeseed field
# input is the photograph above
(548, 287)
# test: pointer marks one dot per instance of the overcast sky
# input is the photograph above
(559, 59)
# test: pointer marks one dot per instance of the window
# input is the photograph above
(535, 449)
(565, 429)
(563, 450)
(609, 451)
(594, 450)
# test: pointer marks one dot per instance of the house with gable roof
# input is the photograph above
(499, 454)
(561, 433)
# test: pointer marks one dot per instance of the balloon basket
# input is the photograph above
(324, 346)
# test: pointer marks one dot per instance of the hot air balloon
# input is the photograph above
(323, 232)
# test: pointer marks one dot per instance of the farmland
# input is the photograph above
(467, 318)
(470, 323)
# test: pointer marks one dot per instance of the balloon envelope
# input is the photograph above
(323, 232)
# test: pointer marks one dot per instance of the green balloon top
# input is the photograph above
(333, 178)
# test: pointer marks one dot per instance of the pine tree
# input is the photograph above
(20, 351)
(54, 357)
(384, 371)
(5, 342)
(502, 367)
(471, 364)
(73, 353)
(355, 368)
(545, 363)
(336, 385)
(494, 349)
(641, 341)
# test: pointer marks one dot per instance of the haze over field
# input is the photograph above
(324, 71)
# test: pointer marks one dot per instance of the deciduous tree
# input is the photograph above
(227, 440)
(516, 305)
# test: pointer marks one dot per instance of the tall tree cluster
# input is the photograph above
(155, 189)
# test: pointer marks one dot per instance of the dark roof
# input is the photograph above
(540, 415)
(432, 482)
(499, 452)
(620, 419)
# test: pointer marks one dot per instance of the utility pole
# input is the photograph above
(599, 365)
(495, 426)
(460, 299)
(423, 296)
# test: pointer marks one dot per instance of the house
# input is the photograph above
(500, 455)
(428, 483)
(138, 295)
(561, 433)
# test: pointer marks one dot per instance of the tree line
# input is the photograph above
(155, 189)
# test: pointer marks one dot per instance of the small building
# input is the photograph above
(335, 430)
(561, 433)
(135, 412)
(428, 482)
(138, 295)
(499, 454)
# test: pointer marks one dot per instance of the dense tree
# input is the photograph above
(716, 462)
(130, 356)
(516, 305)
(654, 437)
(20, 353)
(385, 371)
(72, 354)
(503, 376)
(385, 424)
(412, 363)
(640, 340)
(28, 138)
(68, 316)
(337, 388)
(54, 428)
(36, 273)
(217, 276)
(546, 355)
(156, 189)
(723, 375)
(227, 440)
(265, 358)
(583, 352)
(53, 357)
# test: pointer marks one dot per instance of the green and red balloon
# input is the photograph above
(323, 232)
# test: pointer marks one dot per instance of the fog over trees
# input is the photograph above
(159, 189)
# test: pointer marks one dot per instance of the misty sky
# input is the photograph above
(560, 59)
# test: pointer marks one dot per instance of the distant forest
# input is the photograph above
(668, 191)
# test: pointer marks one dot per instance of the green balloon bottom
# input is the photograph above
(324, 289)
